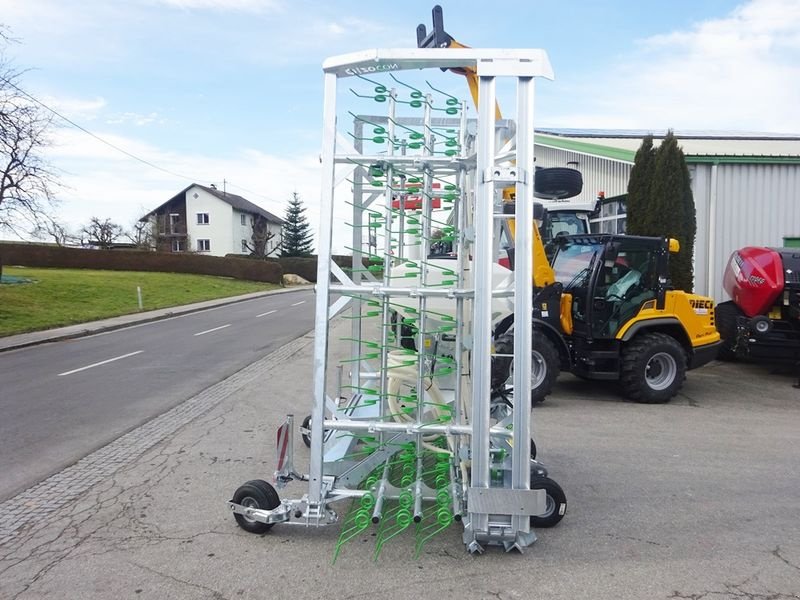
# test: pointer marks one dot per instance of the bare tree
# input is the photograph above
(102, 233)
(26, 179)
(259, 246)
(141, 234)
(49, 228)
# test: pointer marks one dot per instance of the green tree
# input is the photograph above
(660, 203)
(296, 230)
(637, 221)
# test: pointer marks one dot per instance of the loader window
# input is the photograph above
(623, 286)
(573, 265)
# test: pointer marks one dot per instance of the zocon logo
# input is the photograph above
(372, 69)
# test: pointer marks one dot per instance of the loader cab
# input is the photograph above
(610, 278)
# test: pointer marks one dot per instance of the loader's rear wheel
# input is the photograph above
(255, 494)
(545, 365)
(725, 315)
(653, 368)
(556, 506)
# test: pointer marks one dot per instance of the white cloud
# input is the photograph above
(136, 119)
(100, 181)
(76, 108)
(254, 6)
(737, 72)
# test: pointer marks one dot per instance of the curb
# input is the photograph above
(25, 340)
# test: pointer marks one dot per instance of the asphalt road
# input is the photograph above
(60, 401)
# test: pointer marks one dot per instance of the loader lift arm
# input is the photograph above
(543, 273)
(439, 38)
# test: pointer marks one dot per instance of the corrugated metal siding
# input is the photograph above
(599, 174)
(757, 205)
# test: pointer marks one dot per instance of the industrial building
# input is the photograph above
(746, 187)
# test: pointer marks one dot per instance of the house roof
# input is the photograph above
(698, 146)
(235, 201)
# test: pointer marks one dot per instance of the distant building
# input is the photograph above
(746, 186)
(207, 220)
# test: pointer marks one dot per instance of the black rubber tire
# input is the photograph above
(725, 315)
(543, 352)
(636, 358)
(556, 502)
(306, 437)
(557, 183)
(408, 334)
(256, 493)
(533, 449)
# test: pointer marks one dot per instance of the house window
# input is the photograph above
(174, 221)
(202, 218)
(244, 219)
(204, 245)
(178, 245)
(244, 246)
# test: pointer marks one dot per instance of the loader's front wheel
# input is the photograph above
(653, 368)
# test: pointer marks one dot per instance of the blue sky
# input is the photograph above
(214, 89)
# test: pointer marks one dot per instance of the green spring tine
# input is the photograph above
(351, 528)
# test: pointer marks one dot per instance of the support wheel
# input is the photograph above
(255, 494)
(725, 315)
(556, 506)
(545, 365)
(653, 368)
(306, 436)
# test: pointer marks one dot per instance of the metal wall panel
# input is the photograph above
(756, 205)
(599, 174)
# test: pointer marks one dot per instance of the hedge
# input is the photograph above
(42, 255)
(305, 267)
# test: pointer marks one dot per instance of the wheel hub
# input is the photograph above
(249, 502)
(538, 370)
(661, 371)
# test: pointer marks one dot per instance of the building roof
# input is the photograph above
(235, 201)
(698, 146)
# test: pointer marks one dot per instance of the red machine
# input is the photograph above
(762, 319)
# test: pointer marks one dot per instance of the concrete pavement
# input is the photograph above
(23, 340)
(694, 499)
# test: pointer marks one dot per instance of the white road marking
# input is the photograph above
(299, 303)
(103, 362)
(210, 330)
(269, 312)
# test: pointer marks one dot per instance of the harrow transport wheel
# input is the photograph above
(556, 502)
(306, 436)
(545, 365)
(653, 368)
(725, 315)
(255, 494)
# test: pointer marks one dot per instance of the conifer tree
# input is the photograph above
(637, 222)
(297, 239)
(660, 203)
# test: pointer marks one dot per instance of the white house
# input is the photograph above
(210, 221)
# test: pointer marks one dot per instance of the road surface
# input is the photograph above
(61, 401)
